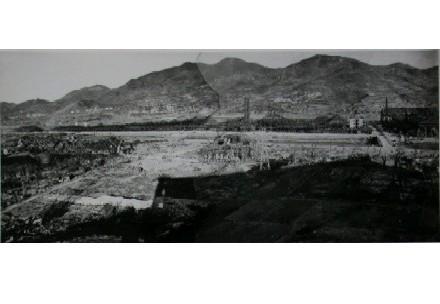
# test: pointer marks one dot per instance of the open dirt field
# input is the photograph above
(133, 177)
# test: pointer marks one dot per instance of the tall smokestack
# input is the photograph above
(246, 109)
(386, 106)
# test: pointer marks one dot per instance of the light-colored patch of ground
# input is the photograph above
(114, 201)
(128, 180)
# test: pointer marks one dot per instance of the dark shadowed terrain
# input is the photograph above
(346, 201)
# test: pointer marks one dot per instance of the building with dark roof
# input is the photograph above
(422, 121)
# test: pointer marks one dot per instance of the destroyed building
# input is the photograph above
(229, 147)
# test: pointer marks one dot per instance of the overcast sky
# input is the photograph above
(50, 74)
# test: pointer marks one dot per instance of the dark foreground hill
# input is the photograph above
(347, 201)
(315, 86)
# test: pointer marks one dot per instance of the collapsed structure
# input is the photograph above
(230, 147)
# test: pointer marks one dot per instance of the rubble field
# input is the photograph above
(130, 179)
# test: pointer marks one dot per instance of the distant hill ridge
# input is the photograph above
(315, 86)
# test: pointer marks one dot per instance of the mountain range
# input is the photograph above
(315, 86)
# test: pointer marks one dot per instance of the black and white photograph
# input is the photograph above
(219, 152)
(219, 146)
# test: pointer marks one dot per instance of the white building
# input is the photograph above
(356, 122)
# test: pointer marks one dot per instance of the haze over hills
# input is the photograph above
(315, 86)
